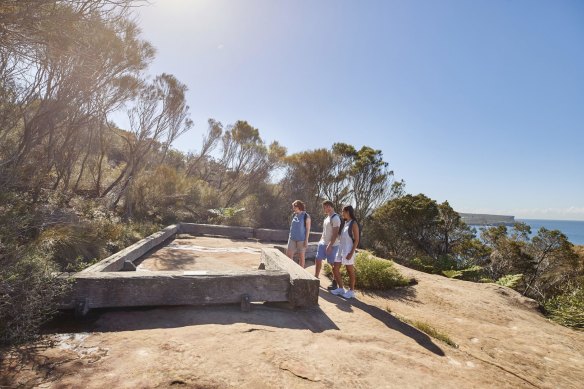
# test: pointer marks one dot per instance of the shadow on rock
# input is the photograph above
(128, 319)
(25, 366)
(386, 318)
(403, 294)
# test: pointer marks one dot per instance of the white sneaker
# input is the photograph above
(349, 294)
(338, 291)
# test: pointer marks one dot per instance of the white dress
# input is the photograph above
(346, 246)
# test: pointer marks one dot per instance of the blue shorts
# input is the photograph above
(321, 253)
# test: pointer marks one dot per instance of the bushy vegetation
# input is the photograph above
(39, 241)
(510, 280)
(430, 237)
(29, 291)
(372, 273)
(567, 308)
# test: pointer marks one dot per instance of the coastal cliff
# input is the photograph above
(487, 220)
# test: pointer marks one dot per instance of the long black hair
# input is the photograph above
(349, 208)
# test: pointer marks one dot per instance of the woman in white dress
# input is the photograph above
(350, 234)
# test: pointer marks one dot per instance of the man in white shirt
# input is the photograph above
(328, 246)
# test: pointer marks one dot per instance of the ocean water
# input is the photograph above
(573, 229)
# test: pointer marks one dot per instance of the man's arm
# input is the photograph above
(335, 234)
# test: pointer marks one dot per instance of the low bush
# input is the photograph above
(372, 273)
(567, 309)
(38, 240)
(452, 273)
(118, 235)
(473, 273)
(510, 280)
(420, 265)
(29, 292)
(76, 246)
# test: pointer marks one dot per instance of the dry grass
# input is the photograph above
(427, 329)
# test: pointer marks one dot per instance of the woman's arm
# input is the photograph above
(308, 221)
(356, 234)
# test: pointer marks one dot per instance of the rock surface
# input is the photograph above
(503, 342)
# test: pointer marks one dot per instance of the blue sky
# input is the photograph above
(480, 103)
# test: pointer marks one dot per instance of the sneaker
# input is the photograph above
(338, 291)
(349, 294)
(332, 286)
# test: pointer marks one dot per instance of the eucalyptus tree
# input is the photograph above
(308, 174)
(411, 227)
(158, 116)
(371, 181)
(198, 163)
(65, 65)
(244, 163)
(343, 175)
(547, 261)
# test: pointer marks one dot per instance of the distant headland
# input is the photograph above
(487, 220)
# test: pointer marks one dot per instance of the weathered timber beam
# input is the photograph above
(115, 262)
(280, 235)
(211, 229)
(304, 287)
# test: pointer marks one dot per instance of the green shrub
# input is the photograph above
(431, 265)
(567, 309)
(452, 273)
(230, 216)
(118, 235)
(421, 265)
(76, 246)
(38, 240)
(70, 243)
(29, 293)
(510, 280)
(473, 273)
(444, 262)
(372, 273)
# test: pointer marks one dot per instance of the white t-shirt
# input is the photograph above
(327, 229)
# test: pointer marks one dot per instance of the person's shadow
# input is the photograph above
(385, 317)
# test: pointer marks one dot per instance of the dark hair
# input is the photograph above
(299, 204)
(328, 202)
(349, 208)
